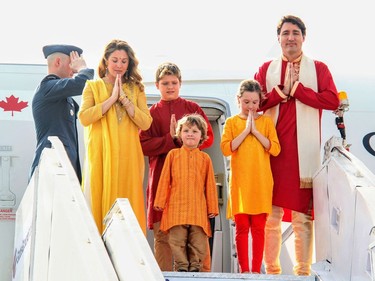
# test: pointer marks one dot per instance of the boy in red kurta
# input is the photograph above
(158, 140)
(187, 195)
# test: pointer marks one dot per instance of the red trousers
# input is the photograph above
(256, 223)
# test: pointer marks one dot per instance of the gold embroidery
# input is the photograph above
(120, 111)
(129, 93)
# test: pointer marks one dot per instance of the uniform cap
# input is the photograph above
(58, 48)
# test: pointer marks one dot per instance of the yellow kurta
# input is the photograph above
(250, 181)
(114, 164)
(187, 189)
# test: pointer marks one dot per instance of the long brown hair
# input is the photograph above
(132, 75)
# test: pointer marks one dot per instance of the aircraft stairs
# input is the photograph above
(56, 237)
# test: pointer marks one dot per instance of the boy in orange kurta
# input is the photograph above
(187, 195)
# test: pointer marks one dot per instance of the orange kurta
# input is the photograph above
(250, 181)
(187, 189)
(114, 164)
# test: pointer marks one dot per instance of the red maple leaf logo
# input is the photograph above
(12, 104)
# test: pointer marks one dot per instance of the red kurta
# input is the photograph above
(157, 142)
(285, 168)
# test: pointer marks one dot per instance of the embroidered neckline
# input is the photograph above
(120, 110)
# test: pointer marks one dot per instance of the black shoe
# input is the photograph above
(194, 270)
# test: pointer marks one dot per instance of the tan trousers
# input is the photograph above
(163, 252)
(303, 231)
(189, 246)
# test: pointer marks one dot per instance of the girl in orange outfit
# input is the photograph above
(250, 139)
(187, 195)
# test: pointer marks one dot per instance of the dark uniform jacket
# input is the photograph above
(55, 114)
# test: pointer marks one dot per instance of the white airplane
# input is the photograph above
(344, 209)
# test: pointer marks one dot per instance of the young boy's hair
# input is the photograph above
(167, 68)
(250, 85)
(190, 120)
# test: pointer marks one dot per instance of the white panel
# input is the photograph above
(23, 235)
(65, 243)
(17, 141)
(322, 216)
(341, 193)
(364, 234)
(44, 181)
(76, 249)
(346, 227)
(127, 246)
(217, 252)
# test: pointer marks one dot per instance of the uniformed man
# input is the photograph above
(54, 110)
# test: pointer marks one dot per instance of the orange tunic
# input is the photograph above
(187, 189)
(250, 181)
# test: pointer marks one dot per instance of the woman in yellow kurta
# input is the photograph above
(250, 139)
(113, 110)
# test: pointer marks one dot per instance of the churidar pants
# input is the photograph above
(303, 231)
(256, 224)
